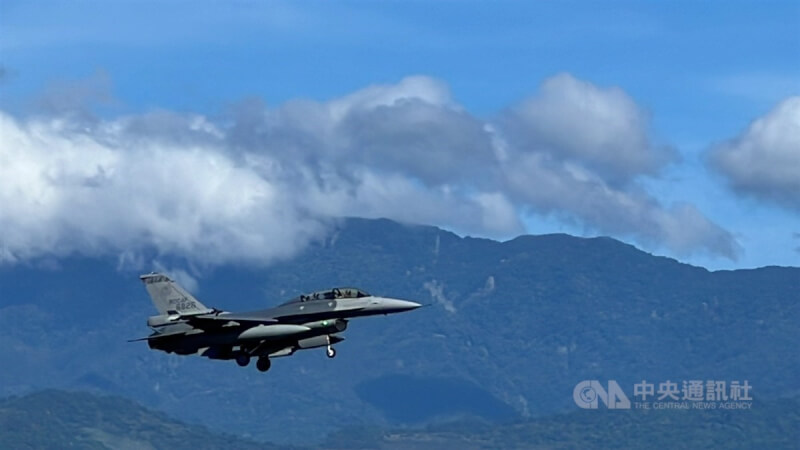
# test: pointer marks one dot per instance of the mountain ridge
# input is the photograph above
(59, 419)
(84, 420)
(521, 321)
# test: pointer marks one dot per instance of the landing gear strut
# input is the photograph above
(263, 364)
(243, 359)
(330, 350)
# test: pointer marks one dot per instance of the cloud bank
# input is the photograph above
(263, 182)
(764, 160)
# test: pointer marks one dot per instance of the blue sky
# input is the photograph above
(684, 81)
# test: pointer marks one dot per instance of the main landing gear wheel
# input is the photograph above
(243, 359)
(331, 352)
(263, 364)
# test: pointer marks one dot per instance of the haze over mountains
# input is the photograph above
(512, 328)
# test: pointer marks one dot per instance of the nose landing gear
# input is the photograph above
(331, 352)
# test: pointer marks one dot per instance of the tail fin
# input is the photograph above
(169, 298)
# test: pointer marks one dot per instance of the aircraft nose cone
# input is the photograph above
(403, 305)
(393, 305)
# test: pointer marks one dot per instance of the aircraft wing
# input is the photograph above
(217, 320)
(212, 319)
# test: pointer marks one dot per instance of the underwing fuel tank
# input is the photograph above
(327, 326)
(319, 341)
(272, 331)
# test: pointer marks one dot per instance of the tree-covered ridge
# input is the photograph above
(772, 424)
(511, 329)
(53, 419)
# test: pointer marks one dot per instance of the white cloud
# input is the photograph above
(575, 193)
(601, 129)
(425, 89)
(66, 191)
(264, 182)
(182, 186)
(576, 150)
(764, 160)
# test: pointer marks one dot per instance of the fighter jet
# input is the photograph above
(186, 327)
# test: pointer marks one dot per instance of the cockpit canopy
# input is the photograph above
(330, 294)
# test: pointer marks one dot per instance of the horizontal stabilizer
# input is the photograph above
(157, 336)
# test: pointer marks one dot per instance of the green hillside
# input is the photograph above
(773, 425)
(55, 419)
(512, 328)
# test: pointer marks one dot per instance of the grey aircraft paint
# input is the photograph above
(186, 327)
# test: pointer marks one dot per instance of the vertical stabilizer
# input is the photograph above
(169, 298)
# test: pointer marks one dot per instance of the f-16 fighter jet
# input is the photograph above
(186, 327)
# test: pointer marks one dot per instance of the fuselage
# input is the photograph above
(295, 325)
(343, 308)
(186, 326)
